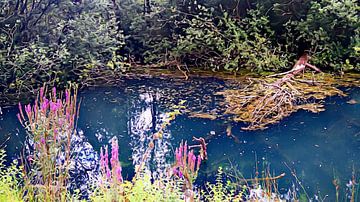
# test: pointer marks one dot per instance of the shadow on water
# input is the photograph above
(318, 146)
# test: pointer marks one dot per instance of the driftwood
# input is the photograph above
(268, 100)
(202, 145)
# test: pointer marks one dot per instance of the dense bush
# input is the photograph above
(331, 33)
(56, 41)
(235, 35)
(227, 43)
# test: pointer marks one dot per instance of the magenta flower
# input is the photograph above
(178, 156)
(108, 174)
(44, 105)
(114, 152)
(118, 174)
(198, 162)
(28, 109)
(67, 98)
(21, 111)
(54, 92)
(41, 92)
(180, 174)
(59, 103)
(53, 106)
(185, 148)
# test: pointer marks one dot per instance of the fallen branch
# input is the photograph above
(268, 100)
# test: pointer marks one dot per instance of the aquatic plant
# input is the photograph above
(50, 123)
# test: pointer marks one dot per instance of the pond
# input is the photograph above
(319, 147)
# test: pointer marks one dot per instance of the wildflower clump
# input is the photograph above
(50, 123)
(187, 164)
(113, 174)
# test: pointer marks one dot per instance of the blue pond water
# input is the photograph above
(318, 147)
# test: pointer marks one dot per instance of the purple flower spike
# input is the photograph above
(41, 92)
(198, 162)
(118, 174)
(114, 152)
(53, 106)
(178, 156)
(44, 105)
(28, 109)
(54, 92)
(67, 98)
(108, 174)
(21, 111)
(20, 107)
(59, 104)
(193, 160)
(185, 148)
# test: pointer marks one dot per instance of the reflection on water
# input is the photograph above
(318, 146)
(145, 120)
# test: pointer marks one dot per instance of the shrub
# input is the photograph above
(56, 41)
(10, 188)
(330, 31)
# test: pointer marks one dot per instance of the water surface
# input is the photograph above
(318, 147)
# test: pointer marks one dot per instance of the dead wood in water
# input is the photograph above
(268, 100)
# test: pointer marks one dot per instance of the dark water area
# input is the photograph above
(318, 147)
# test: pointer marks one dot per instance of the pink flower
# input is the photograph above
(118, 174)
(21, 111)
(44, 105)
(185, 148)
(67, 98)
(59, 104)
(41, 92)
(178, 156)
(198, 162)
(108, 174)
(54, 92)
(28, 109)
(114, 152)
(193, 159)
(53, 106)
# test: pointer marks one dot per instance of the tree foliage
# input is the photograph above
(55, 41)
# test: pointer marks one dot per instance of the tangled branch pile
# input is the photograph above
(262, 103)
